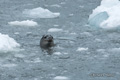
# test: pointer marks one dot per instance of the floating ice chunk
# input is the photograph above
(103, 51)
(70, 15)
(73, 33)
(19, 55)
(55, 5)
(35, 78)
(81, 6)
(37, 60)
(98, 40)
(40, 13)
(63, 3)
(87, 25)
(23, 23)
(98, 19)
(106, 55)
(65, 53)
(115, 49)
(61, 78)
(55, 25)
(16, 33)
(54, 68)
(54, 30)
(7, 43)
(57, 53)
(9, 65)
(82, 49)
(106, 15)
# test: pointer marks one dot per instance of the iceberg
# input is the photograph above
(7, 43)
(106, 15)
(40, 13)
(98, 19)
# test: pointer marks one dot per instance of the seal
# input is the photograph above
(46, 42)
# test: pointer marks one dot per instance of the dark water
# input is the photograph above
(99, 62)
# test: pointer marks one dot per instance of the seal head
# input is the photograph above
(46, 42)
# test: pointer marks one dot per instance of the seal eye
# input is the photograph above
(45, 37)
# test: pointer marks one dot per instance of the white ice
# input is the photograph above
(107, 15)
(82, 49)
(23, 23)
(9, 65)
(73, 33)
(61, 78)
(55, 30)
(115, 49)
(40, 13)
(55, 25)
(55, 5)
(19, 55)
(7, 43)
(16, 33)
(37, 60)
(57, 53)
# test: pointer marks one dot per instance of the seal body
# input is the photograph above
(46, 42)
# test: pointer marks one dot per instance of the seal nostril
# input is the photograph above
(50, 40)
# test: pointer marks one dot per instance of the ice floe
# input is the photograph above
(19, 55)
(55, 30)
(23, 23)
(61, 78)
(98, 40)
(37, 60)
(9, 65)
(55, 25)
(57, 53)
(73, 33)
(106, 15)
(82, 49)
(55, 5)
(115, 49)
(7, 43)
(40, 13)
(16, 33)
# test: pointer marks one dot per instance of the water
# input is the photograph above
(99, 62)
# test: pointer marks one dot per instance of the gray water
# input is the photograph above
(100, 62)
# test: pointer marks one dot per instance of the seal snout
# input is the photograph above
(51, 40)
(48, 38)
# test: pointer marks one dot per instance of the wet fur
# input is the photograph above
(46, 42)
